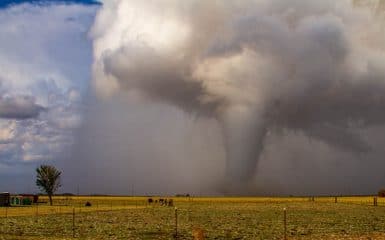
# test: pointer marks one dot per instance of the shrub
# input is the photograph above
(27, 201)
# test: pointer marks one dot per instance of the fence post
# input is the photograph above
(284, 224)
(335, 199)
(375, 201)
(37, 212)
(176, 223)
(73, 223)
(6, 211)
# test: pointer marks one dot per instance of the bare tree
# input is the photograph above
(48, 180)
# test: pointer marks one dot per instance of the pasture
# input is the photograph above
(218, 218)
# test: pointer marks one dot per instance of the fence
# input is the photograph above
(222, 218)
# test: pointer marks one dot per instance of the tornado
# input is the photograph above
(244, 133)
(314, 67)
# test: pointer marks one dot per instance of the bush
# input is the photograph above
(27, 201)
(88, 204)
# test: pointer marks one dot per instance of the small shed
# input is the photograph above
(4, 199)
(23, 199)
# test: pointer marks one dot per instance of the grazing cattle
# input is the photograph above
(150, 200)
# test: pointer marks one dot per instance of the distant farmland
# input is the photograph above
(218, 218)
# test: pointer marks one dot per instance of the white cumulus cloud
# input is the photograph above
(45, 59)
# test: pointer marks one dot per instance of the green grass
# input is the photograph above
(220, 219)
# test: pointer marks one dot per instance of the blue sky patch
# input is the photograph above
(7, 3)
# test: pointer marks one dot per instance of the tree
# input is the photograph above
(48, 180)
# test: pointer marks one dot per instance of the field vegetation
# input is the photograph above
(217, 218)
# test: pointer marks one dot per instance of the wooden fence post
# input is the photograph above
(176, 223)
(37, 212)
(284, 224)
(73, 223)
(335, 199)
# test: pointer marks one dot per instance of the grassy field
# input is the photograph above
(219, 218)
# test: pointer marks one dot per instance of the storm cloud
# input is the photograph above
(259, 68)
(205, 97)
